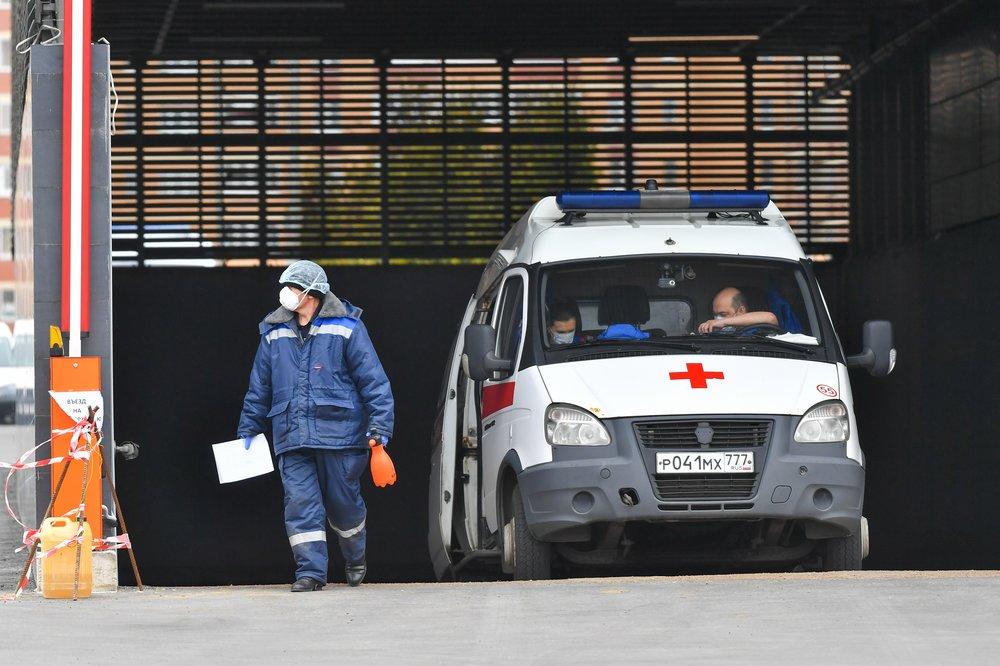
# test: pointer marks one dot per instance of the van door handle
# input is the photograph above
(489, 425)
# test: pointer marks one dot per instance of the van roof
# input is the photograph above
(546, 234)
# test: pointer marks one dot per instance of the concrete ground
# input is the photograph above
(10, 538)
(864, 617)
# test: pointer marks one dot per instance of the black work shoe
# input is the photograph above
(307, 584)
(355, 573)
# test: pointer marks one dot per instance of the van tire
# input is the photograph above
(843, 553)
(530, 559)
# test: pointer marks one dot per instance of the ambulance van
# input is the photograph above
(650, 378)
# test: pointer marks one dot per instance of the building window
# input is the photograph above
(8, 309)
(5, 116)
(5, 179)
(5, 54)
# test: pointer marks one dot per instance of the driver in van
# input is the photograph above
(564, 325)
(731, 308)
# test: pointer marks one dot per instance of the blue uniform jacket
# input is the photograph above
(327, 391)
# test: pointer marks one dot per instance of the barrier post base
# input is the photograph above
(105, 571)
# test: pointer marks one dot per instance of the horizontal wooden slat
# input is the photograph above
(430, 159)
(702, 94)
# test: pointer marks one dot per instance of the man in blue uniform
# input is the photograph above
(317, 378)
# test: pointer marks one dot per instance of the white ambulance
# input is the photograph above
(649, 377)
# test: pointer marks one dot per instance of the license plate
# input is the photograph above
(723, 462)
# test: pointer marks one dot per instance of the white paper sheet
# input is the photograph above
(75, 404)
(236, 463)
(797, 338)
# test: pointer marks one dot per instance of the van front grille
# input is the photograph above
(684, 434)
(704, 486)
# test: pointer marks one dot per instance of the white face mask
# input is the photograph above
(562, 338)
(289, 299)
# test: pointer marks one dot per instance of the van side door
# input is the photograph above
(443, 456)
(497, 399)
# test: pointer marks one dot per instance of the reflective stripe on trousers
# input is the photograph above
(323, 485)
(348, 533)
(306, 537)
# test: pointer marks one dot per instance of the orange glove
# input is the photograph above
(383, 471)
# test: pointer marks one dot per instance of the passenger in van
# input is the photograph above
(623, 332)
(624, 308)
(731, 308)
(564, 324)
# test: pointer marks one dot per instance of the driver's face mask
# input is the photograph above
(562, 338)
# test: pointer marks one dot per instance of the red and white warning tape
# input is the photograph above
(83, 429)
(72, 541)
(30, 536)
(113, 542)
(110, 543)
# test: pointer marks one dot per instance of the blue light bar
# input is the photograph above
(598, 200)
(649, 200)
(734, 199)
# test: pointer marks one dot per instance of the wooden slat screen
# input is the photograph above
(403, 160)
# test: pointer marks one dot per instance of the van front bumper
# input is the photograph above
(813, 483)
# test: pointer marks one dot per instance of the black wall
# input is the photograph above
(185, 338)
(184, 343)
(925, 151)
(930, 431)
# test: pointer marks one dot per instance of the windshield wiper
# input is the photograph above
(758, 338)
(667, 344)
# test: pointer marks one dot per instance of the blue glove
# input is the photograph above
(246, 442)
(379, 439)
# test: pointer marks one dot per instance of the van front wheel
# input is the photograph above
(524, 556)
(843, 553)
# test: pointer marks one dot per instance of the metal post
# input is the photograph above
(628, 61)
(262, 248)
(506, 207)
(383, 142)
(140, 167)
(748, 120)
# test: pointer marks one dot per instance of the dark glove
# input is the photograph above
(247, 440)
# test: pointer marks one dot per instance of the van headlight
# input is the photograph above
(566, 425)
(825, 422)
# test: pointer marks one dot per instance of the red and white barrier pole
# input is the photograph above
(76, 172)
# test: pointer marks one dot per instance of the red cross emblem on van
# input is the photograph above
(697, 375)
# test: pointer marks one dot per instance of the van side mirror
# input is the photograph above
(877, 356)
(480, 341)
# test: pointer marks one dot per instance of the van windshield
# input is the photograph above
(696, 301)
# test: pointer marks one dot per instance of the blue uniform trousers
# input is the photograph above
(322, 485)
